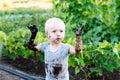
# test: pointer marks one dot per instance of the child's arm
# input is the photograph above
(78, 48)
(31, 45)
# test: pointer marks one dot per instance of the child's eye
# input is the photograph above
(61, 30)
(54, 31)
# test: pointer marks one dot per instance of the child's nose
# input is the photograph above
(58, 33)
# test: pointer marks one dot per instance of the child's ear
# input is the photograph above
(46, 34)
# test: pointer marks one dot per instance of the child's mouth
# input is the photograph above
(58, 39)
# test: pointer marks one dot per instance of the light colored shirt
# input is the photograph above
(56, 63)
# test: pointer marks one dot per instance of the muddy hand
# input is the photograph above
(33, 29)
(79, 30)
(31, 45)
(78, 47)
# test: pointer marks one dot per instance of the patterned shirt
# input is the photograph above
(56, 63)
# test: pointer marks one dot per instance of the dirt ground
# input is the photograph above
(38, 69)
(19, 67)
(7, 76)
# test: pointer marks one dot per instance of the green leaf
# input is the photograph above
(80, 62)
(77, 70)
(108, 66)
(4, 51)
(71, 60)
(13, 56)
(20, 52)
(116, 49)
(97, 71)
(105, 44)
(3, 36)
(28, 53)
(41, 57)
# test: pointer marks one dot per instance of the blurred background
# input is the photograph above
(12, 4)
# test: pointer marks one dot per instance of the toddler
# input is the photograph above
(55, 52)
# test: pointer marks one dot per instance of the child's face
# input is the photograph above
(56, 34)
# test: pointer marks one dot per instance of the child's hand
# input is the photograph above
(33, 29)
(79, 30)
(31, 44)
(78, 47)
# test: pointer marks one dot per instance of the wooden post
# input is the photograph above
(0, 51)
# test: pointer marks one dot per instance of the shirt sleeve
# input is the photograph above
(43, 46)
(67, 47)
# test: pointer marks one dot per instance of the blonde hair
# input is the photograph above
(53, 22)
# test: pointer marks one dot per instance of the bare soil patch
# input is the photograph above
(7, 76)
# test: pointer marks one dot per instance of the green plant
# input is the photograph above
(100, 18)
(21, 18)
(14, 44)
(95, 61)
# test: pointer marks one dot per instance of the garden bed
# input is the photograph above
(37, 69)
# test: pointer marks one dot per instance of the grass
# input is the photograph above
(21, 18)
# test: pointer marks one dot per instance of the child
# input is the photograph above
(55, 52)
